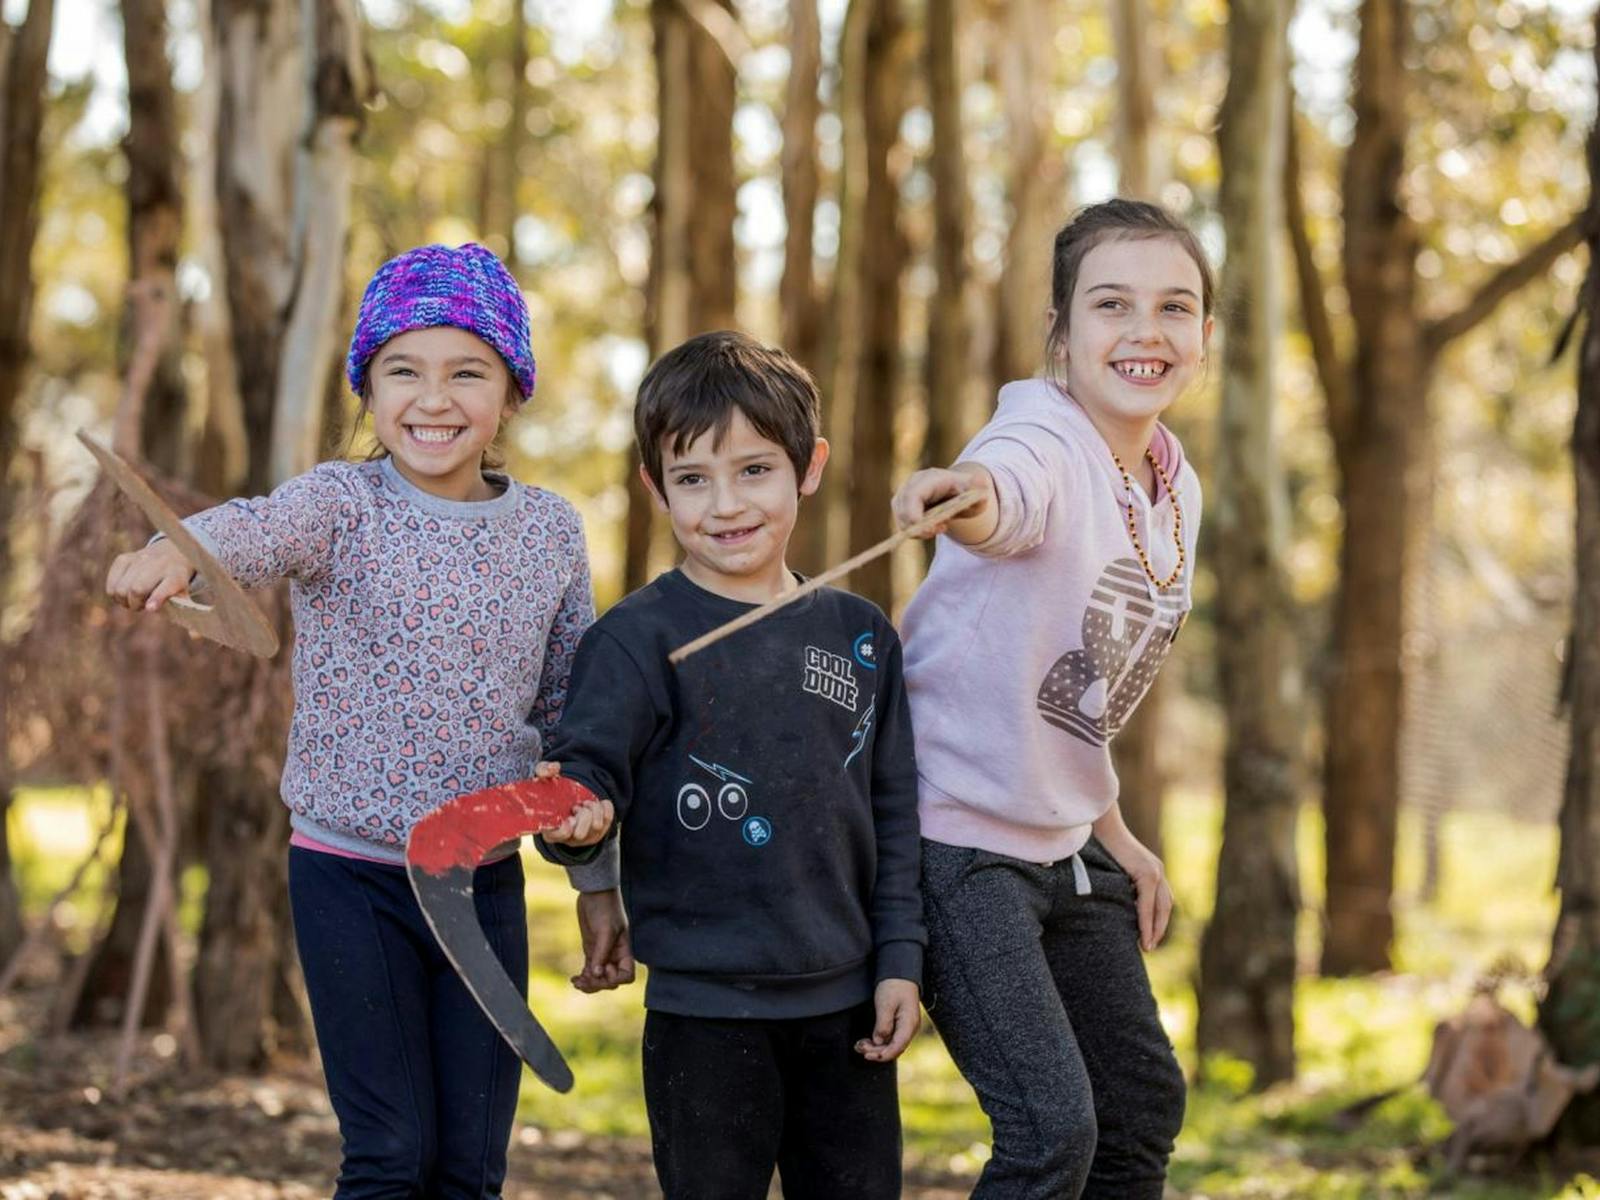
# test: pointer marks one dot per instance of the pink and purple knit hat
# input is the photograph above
(467, 287)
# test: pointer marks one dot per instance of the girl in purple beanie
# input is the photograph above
(437, 606)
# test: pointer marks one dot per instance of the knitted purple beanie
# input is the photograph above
(435, 285)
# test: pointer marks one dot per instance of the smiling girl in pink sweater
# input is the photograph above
(1048, 610)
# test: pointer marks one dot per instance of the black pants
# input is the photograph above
(730, 1099)
(1036, 983)
(424, 1088)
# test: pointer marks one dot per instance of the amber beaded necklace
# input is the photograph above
(1133, 528)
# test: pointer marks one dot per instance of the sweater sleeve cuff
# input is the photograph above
(900, 960)
(601, 873)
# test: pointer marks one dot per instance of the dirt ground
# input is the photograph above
(177, 1136)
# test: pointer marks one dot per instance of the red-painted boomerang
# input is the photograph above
(445, 848)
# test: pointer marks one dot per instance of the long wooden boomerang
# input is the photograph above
(445, 848)
(233, 619)
(932, 518)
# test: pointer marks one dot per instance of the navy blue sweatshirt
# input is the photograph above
(766, 797)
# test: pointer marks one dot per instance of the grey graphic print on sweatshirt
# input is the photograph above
(1126, 636)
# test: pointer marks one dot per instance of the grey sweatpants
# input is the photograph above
(1035, 981)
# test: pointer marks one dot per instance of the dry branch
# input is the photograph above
(1503, 283)
(1332, 372)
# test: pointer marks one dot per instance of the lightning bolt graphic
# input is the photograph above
(858, 735)
(720, 771)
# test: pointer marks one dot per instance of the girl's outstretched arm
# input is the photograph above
(929, 487)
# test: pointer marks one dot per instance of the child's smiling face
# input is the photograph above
(1137, 330)
(733, 507)
(438, 395)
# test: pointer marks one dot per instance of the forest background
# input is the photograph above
(1376, 747)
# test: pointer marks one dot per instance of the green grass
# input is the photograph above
(1354, 1036)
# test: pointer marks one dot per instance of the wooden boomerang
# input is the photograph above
(445, 848)
(232, 620)
(942, 512)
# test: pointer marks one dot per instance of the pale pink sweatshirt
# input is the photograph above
(1025, 654)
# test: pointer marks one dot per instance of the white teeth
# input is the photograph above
(1142, 370)
(435, 434)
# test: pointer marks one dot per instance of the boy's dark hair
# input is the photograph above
(697, 386)
(1113, 220)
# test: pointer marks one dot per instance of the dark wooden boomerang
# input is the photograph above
(233, 619)
(445, 848)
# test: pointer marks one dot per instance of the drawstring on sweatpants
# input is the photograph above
(1080, 876)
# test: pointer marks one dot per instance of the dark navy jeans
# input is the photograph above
(424, 1088)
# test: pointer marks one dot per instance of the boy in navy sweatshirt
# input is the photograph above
(765, 791)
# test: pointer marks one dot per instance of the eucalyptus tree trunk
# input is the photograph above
(844, 339)
(883, 256)
(1376, 454)
(222, 453)
(947, 318)
(1036, 185)
(1379, 417)
(1570, 1012)
(693, 277)
(1247, 954)
(155, 226)
(155, 220)
(712, 95)
(799, 310)
(797, 293)
(1138, 174)
(287, 119)
(336, 86)
(1135, 750)
(502, 169)
(22, 92)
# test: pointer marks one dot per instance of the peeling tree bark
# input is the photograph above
(221, 459)
(338, 85)
(1247, 954)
